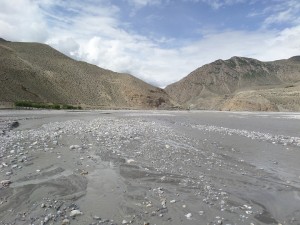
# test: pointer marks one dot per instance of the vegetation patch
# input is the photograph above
(39, 105)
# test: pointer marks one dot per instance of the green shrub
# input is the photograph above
(38, 105)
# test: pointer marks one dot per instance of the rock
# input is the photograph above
(219, 222)
(6, 183)
(149, 205)
(84, 172)
(43, 205)
(173, 201)
(96, 218)
(130, 161)
(14, 124)
(8, 173)
(14, 166)
(188, 216)
(124, 222)
(65, 222)
(75, 212)
(46, 219)
(72, 147)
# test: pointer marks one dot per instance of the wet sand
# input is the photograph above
(149, 167)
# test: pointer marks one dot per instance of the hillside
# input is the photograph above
(241, 84)
(39, 73)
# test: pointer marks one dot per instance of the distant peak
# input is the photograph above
(2, 40)
(235, 57)
(295, 58)
(240, 58)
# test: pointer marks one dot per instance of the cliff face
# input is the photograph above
(241, 84)
(37, 72)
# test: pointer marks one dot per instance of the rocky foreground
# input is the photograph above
(149, 167)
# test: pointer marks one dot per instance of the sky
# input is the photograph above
(158, 41)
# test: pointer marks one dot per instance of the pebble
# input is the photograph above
(84, 172)
(97, 218)
(65, 222)
(173, 201)
(5, 183)
(72, 147)
(219, 222)
(75, 212)
(46, 219)
(14, 166)
(129, 161)
(188, 216)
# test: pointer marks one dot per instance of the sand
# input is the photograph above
(149, 167)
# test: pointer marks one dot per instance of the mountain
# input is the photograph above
(2, 40)
(241, 84)
(38, 73)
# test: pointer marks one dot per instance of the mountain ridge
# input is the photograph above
(37, 72)
(215, 86)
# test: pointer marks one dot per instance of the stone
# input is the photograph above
(65, 222)
(6, 183)
(130, 161)
(75, 212)
(46, 219)
(72, 147)
(97, 218)
(219, 222)
(188, 216)
(84, 172)
(8, 173)
(14, 166)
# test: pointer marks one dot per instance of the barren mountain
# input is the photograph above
(39, 73)
(241, 84)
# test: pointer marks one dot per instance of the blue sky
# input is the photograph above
(159, 41)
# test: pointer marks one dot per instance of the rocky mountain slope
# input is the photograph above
(241, 84)
(39, 73)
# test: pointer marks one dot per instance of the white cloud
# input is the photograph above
(21, 20)
(279, 12)
(93, 32)
(216, 4)
(142, 3)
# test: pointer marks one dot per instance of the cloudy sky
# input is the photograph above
(159, 41)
